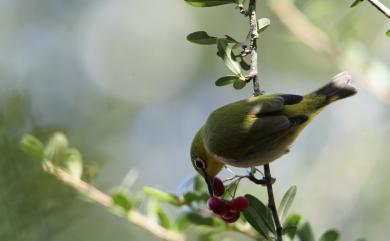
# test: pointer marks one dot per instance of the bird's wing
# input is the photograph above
(267, 118)
(250, 125)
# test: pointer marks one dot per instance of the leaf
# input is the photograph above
(305, 233)
(181, 222)
(287, 201)
(239, 84)
(130, 178)
(160, 195)
(231, 40)
(225, 51)
(230, 190)
(209, 236)
(32, 147)
(259, 216)
(199, 184)
(121, 199)
(356, 2)
(56, 148)
(74, 162)
(201, 37)
(388, 33)
(163, 219)
(330, 235)
(226, 80)
(208, 3)
(244, 65)
(262, 24)
(198, 219)
(290, 226)
(190, 197)
(361, 239)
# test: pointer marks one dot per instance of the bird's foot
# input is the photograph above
(263, 181)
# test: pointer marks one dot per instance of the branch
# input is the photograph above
(381, 7)
(253, 74)
(271, 201)
(105, 200)
(256, 88)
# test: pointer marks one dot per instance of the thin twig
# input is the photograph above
(256, 88)
(271, 202)
(103, 199)
(381, 7)
(253, 73)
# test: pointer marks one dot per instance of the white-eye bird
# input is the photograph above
(260, 129)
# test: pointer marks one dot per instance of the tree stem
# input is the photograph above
(253, 74)
(105, 200)
(271, 201)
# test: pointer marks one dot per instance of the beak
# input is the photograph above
(209, 181)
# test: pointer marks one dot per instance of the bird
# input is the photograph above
(260, 129)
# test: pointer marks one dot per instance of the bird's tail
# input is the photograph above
(339, 88)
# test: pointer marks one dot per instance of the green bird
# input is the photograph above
(260, 129)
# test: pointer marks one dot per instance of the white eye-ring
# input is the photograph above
(199, 163)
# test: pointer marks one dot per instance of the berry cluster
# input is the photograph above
(228, 210)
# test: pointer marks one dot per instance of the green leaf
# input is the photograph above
(239, 84)
(330, 235)
(287, 201)
(190, 197)
(121, 199)
(74, 162)
(201, 37)
(259, 216)
(208, 236)
(199, 184)
(181, 222)
(208, 3)
(388, 33)
(130, 178)
(32, 147)
(356, 2)
(361, 239)
(56, 148)
(305, 233)
(262, 24)
(225, 51)
(290, 226)
(160, 195)
(244, 65)
(163, 219)
(230, 190)
(226, 80)
(198, 219)
(231, 40)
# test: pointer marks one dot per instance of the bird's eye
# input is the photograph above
(199, 163)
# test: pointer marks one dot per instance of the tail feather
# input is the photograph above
(340, 87)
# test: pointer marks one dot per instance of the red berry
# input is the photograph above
(231, 206)
(240, 203)
(218, 187)
(230, 217)
(217, 205)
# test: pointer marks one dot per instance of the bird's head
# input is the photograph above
(203, 162)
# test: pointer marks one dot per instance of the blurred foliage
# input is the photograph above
(24, 187)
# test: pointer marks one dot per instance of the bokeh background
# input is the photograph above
(119, 78)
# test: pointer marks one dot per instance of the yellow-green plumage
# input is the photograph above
(260, 129)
